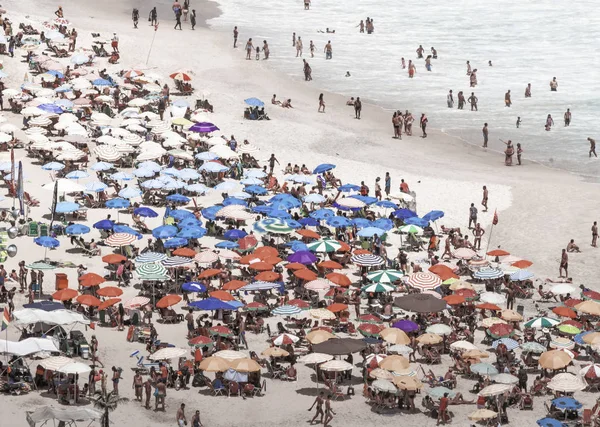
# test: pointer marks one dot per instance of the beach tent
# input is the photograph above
(68, 416)
(28, 346)
(56, 318)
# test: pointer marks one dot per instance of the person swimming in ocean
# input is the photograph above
(592, 147)
(299, 47)
(327, 31)
(428, 63)
(420, 51)
(528, 91)
(433, 52)
(348, 74)
(490, 63)
(403, 63)
(567, 117)
(468, 68)
(473, 101)
(411, 69)
(361, 25)
(507, 101)
(554, 85)
(461, 100)
(518, 122)
(549, 122)
(311, 47)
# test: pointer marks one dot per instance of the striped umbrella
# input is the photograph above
(176, 261)
(108, 153)
(286, 310)
(150, 257)
(591, 372)
(464, 253)
(136, 302)
(424, 280)
(206, 257)
(378, 287)
(151, 269)
(385, 276)
(120, 239)
(542, 322)
(285, 339)
(329, 245)
(521, 275)
(508, 342)
(488, 273)
(273, 226)
(227, 254)
(367, 260)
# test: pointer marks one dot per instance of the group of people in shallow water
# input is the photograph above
(367, 25)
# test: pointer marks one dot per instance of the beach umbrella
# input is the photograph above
(589, 307)
(463, 345)
(108, 303)
(424, 280)
(439, 392)
(302, 257)
(322, 214)
(566, 403)
(429, 339)
(210, 304)
(203, 127)
(338, 222)
(385, 276)
(168, 300)
(164, 231)
(324, 246)
(532, 347)
(550, 422)
(77, 229)
(254, 102)
(90, 280)
(484, 369)
(554, 359)
(66, 207)
(495, 389)
(168, 353)
(378, 287)
(286, 310)
(151, 269)
(53, 166)
(505, 379)
(120, 239)
(88, 300)
(130, 193)
(492, 298)
(394, 336)
(367, 260)
(567, 383)
(65, 294)
(482, 415)
(201, 341)
(214, 364)
(420, 303)
(591, 372)
(541, 322)
(117, 203)
(274, 226)
(193, 287)
(439, 329)
(110, 292)
(150, 257)
(569, 329)
(145, 212)
(411, 229)
(406, 325)
(113, 258)
(488, 274)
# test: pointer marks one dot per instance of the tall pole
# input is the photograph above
(152, 44)
(489, 239)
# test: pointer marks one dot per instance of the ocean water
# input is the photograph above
(527, 42)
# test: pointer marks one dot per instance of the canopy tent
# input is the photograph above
(66, 415)
(29, 316)
(28, 346)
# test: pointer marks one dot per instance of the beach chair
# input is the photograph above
(336, 391)
(233, 389)
(586, 419)
(526, 401)
(30, 201)
(33, 230)
(216, 387)
(44, 230)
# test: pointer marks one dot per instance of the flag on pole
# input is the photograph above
(20, 189)
(5, 319)
(495, 220)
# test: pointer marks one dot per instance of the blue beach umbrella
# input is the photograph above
(77, 175)
(386, 204)
(371, 232)
(47, 242)
(365, 199)
(566, 403)
(227, 245)
(233, 201)
(521, 275)
(254, 102)
(413, 220)
(383, 223)
(338, 222)
(308, 222)
(53, 166)
(193, 287)
(175, 242)
(297, 246)
(210, 212)
(102, 82)
(192, 233)
(262, 209)
(346, 188)
(322, 214)
(77, 229)
(361, 222)
(102, 166)
(255, 189)
(145, 212)
(189, 222)
(292, 223)
(235, 234)
(433, 215)
(95, 187)
(164, 231)
(50, 108)
(105, 224)
(549, 422)
(210, 304)
(206, 156)
(64, 104)
(404, 213)
(128, 230)
(274, 213)
(149, 164)
(66, 207)
(251, 181)
(122, 176)
(118, 203)
(178, 198)
(180, 214)
(324, 168)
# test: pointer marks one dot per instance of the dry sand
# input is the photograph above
(539, 209)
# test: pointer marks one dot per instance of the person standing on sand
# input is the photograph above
(135, 17)
(450, 99)
(193, 19)
(478, 233)
(299, 47)
(153, 17)
(181, 420)
(553, 85)
(272, 161)
(177, 19)
(567, 117)
(378, 194)
(115, 43)
(461, 100)
(235, 36)
(138, 383)
(595, 234)
(528, 91)
(507, 101)
(423, 123)
(592, 147)
(249, 49)
(293, 39)
(388, 184)
(396, 125)
(357, 108)
(328, 412)
(321, 104)
(148, 392)
(408, 121)
(564, 264)
(519, 152)
(472, 215)
(319, 403)
(328, 50)
(484, 200)
(473, 101)
(485, 132)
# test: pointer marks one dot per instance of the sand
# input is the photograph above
(539, 209)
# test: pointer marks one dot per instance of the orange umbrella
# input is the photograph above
(234, 285)
(498, 252)
(110, 291)
(339, 279)
(345, 247)
(65, 294)
(168, 301)
(247, 259)
(185, 252)
(295, 266)
(522, 263)
(454, 299)
(565, 312)
(88, 300)
(222, 295)
(91, 279)
(261, 266)
(109, 303)
(272, 260)
(443, 271)
(361, 252)
(113, 258)
(331, 265)
(488, 306)
(265, 252)
(337, 307)
(305, 274)
(267, 276)
(211, 272)
(309, 233)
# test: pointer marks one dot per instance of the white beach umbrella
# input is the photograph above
(336, 366)
(168, 353)
(64, 186)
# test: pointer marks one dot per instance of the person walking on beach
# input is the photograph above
(357, 108)
(266, 49)
(595, 234)
(186, 10)
(592, 147)
(485, 132)
(319, 403)
(177, 19)
(328, 412)
(249, 49)
(388, 184)
(528, 91)
(328, 50)
(567, 117)
(564, 264)
(193, 19)
(148, 392)
(507, 101)
(299, 47)
(461, 100)
(138, 383)
(321, 104)
(484, 200)
(397, 124)
(473, 101)
(549, 122)
(115, 43)
(272, 161)
(478, 233)
(519, 152)
(181, 420)
(423, 122)
(235, 37)
(553, 85)
(307, 71)
(153, 17)
(472, 215)
(135, 17)
(450, 99)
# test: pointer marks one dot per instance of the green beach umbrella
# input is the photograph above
(151, 269)
(411, 229)
(40, 266)
(378, 287)
(385, 276)
(533, 347)
(328, 245)
(569, 329)
(542, 322)
(274, 226)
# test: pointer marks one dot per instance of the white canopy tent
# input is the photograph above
(28, 346)
(68, 416)
(29, 316)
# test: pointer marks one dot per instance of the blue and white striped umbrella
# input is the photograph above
(149, 257)
(261, 286)
(286, 310)
(102, 166)
(122, 176)
(488, 274)
(53, 166)
(176, 261)
(77, 175)
(508, 342)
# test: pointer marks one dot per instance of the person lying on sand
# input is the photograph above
(287, 104)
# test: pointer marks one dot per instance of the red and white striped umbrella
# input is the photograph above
(373, 360)
(571, 353)
(120, 239)
(136, 302)
(285, 339)
(464, 253)
(591, 372)
(206, 257)
(227, 254)
(424, 281)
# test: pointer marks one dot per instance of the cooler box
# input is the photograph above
(84, 351)
(62, 281)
